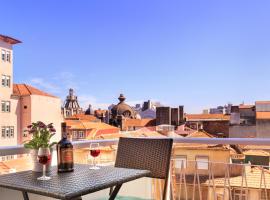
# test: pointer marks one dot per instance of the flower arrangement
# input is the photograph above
(41, 135)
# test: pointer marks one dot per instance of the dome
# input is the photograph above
(122, 108)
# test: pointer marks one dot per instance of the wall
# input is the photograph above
(235, 118)
(163, 115)
(214, 155)
(247, 112)
(10, 118)
(175, 116)
(242, 131)
(263, 128)
(48, 110)
(24, 118)
(215, 127)
(149, 113)
(263, 107)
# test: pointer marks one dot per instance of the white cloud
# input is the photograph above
(44, 84)
(57, 84)
(67, 79)
(60, 83)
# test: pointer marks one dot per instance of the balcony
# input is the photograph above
(201, 168)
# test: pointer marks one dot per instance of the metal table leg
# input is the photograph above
(25, 195)
(115, 192)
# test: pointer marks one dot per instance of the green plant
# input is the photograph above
(41, 135)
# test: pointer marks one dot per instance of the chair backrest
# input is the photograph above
(153, 154)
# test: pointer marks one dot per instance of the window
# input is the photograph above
(3, 56)
(11, 131)
(181, 162)
(8, 106)
(8, 56)
(75, 134)
(81, 134)
(202, 162)
(5, 105)
(7, 132)
(3, 132)
(5, 81)
(8, 81)
(237, 194)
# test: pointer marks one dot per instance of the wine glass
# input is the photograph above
(44, 157)
(94, 152)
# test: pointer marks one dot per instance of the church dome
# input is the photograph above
(122, 108)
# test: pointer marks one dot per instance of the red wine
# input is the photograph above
(44, 159)
(65, 153)
(95, 152)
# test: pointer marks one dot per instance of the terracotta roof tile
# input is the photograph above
(100, 112)
(241, 106)
(207, 117)
(26, 90)
(257, 153)
(262, 102)
(256, 147)
(199, 134)
(9, 40)
(86, 125)
(184, 130)
(139, 122)
(131, 134)
(83, 116)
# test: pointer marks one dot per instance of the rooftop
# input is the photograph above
(207, 117)
(26, 90)
(83, 124)
(242, 106)
(9, 40)
(262, 102)
(253, 179)
(82, 116)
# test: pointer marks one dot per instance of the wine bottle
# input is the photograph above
(65, 152)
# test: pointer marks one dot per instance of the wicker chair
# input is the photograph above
(153, 154)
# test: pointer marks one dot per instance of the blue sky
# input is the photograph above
(197, 53)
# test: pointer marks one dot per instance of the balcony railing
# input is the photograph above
(207, 172)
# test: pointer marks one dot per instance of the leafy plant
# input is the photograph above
(41, 135)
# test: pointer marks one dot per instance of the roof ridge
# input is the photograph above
(25, 89)
(26, 86)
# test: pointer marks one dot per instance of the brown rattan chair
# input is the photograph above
(153, 154)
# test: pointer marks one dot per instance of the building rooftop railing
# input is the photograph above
(217, 179)
(19, 149)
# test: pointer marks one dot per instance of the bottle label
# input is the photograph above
(66, 156)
